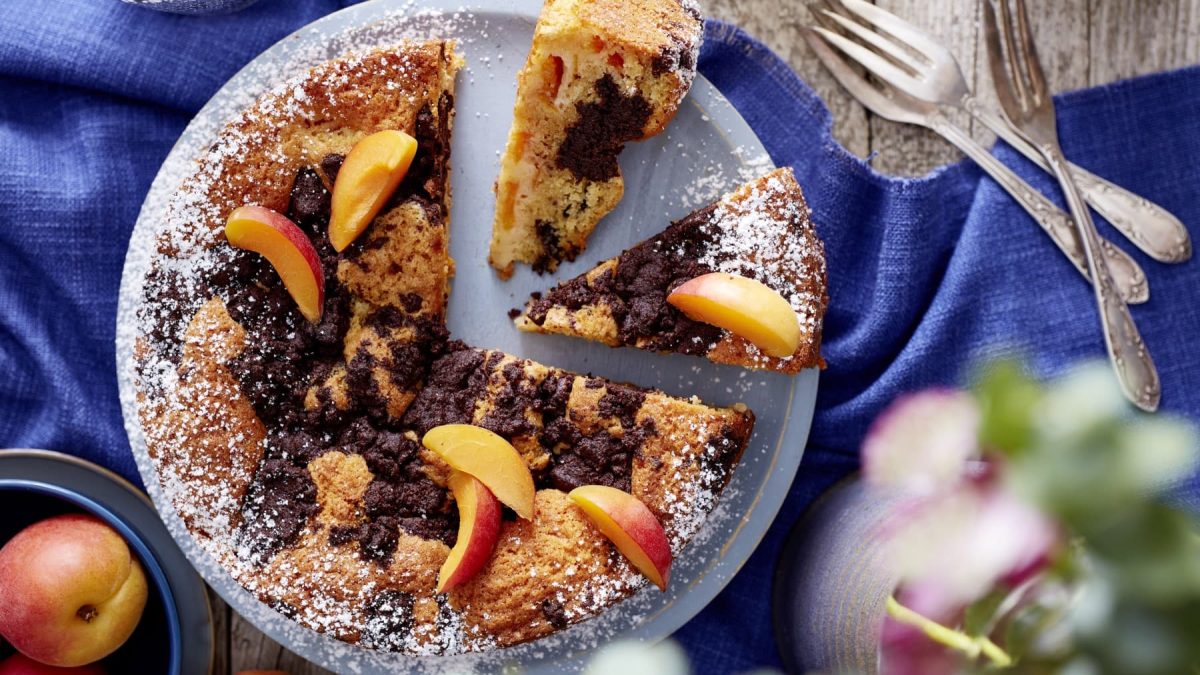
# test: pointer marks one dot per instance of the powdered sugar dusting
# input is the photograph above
(763, 231)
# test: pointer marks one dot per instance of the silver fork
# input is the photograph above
(916, 63)
(1026, 101)
(888, 103)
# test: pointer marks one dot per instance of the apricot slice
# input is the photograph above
(631, 526)
(287, 248)
(368, 177)
(744, 307)
(488, 457)
(478, 530)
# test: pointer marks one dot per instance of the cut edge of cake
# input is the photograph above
(600, 73)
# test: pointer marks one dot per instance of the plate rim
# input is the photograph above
(785, 456)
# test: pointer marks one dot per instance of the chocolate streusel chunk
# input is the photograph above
(280, 501)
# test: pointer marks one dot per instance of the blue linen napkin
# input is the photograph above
(926, 275)
(193, 6)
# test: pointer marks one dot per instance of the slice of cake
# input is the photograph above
(761, 231)
(600, 73)
(290, 442)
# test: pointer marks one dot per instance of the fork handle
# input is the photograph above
(1128, 277)
(1147, 225)
(1130, 359)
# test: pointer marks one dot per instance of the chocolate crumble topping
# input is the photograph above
(426, 177)
(330, 165)
(621, 401)
(169, 320)
(589, 150)
(389, 619)
(598, 459)
(310, 201)
(636, 291)
(286, 355)
(555, 613)
(456, 381)
(278, 505)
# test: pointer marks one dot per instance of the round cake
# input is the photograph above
(291, 448)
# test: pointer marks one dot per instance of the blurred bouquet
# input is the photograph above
(1032, 535)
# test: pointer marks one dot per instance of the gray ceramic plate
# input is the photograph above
(707, 150)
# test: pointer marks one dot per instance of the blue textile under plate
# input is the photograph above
(925, 275)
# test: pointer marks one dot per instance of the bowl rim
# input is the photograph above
(133, 537)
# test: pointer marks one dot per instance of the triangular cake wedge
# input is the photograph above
(600, 73)
(762, 231)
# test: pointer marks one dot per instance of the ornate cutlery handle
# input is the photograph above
(1149, 226)
(1131, 360)
(1128, 277)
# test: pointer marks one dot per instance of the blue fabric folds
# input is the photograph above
(926, 275)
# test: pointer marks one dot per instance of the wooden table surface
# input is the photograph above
(1081, 42)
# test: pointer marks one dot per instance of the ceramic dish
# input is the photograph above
(706, 151)
(175, 633)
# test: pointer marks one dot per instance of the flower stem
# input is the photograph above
(971, 646)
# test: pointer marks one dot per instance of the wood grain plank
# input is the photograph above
(1062, 30)
(1136, 38)
(777, 24)
(220, 615)
(253, 650)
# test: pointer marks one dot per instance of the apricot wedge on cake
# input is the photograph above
(488, 457)
(742, 306)
(478, 530)
(368, 177)
(287, 248)
(631, 526)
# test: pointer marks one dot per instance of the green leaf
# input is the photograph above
(981, 613)
(1026, 626)
(1007, 396)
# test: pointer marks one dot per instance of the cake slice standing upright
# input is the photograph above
(762, 231)
(600, 73)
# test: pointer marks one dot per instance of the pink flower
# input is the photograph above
(961, 545)
(906, 650)
(922, 442)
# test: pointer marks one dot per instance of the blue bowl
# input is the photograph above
(35, 485)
